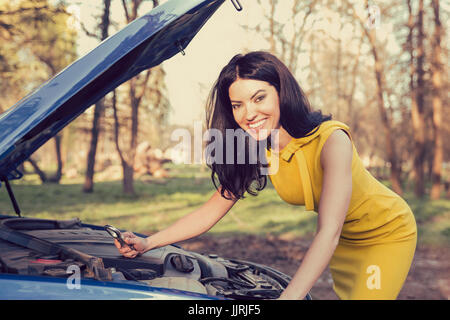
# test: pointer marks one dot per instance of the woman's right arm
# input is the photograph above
(189, 226)
(193, 224)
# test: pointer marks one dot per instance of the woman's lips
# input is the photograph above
(257, 125)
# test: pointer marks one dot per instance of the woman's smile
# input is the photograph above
(255, 107)
(257, 125)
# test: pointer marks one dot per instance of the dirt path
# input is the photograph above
(428, 279)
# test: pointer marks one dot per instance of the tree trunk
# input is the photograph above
(418, 110)
(95, 132)
(98, 113)
(136, 90)
(128, 178)
(39, 172)
(395, 170)
(58, 174)
(128, 166)
(437, 105)
(273, 48)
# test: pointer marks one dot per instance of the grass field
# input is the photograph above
(159, 202)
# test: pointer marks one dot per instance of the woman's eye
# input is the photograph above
(259, 98)
(235, 106)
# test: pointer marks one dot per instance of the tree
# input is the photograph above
(98, 109)
(437, 104)
(53, 33)
(136, 92)
(33, 27)
(285, 36)
(17, 18)
(386, 118)
(418, 99)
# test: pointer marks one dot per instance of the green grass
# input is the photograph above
(159, 202)
(433, 219)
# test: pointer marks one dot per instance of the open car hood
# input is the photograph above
(142, 44)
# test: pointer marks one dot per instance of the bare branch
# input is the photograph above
(87, 32)
(125, 8)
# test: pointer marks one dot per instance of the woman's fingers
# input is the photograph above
(127, 251)
(119, 245)
(128, 234)
(130, 254)
(131, 241)
(122, 249)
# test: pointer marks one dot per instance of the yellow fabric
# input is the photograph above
(379, 228)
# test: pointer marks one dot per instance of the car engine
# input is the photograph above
(165, 267)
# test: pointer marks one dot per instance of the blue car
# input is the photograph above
(68, 259)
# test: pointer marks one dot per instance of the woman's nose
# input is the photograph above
(252, 112)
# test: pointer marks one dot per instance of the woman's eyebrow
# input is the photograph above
(252, 95)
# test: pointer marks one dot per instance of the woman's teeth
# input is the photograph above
(257, 124)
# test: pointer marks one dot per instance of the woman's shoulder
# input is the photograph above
(332, 124)
(336, 133)
(322, 131)
(327, 128)
(314, 140)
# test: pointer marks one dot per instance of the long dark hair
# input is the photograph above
(296, 116)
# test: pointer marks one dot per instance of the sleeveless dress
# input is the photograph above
(379, 234)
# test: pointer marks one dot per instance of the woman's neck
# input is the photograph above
(283, 139)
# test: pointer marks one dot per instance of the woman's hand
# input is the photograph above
(139, 244)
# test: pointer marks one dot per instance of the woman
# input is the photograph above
(365, 232)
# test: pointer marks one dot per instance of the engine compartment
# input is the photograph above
(167, 267)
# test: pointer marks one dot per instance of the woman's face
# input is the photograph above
(255, 107)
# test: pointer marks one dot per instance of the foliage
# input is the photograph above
(36, 42)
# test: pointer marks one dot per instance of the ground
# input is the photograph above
(428, 279)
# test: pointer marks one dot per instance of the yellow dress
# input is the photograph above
(379, 235)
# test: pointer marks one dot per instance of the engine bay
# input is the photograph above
(166, 267)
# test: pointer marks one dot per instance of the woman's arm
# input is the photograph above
(194, 223)
(189, 226)
(336, 160)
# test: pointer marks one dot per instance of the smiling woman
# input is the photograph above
(260, 111)
(360, 221)
(365, 232)
(256, 92)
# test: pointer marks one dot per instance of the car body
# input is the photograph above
(56, 259)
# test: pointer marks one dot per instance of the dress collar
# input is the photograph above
(295, 147)
(296, 143)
